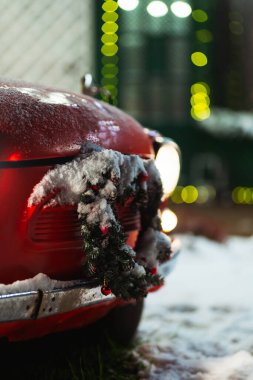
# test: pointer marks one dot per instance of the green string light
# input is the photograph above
(200, 91)
(109, 49)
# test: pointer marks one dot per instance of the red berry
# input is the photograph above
(105, 290)
(104, 230)
(93, 269)
(94, 187)
(143, 177)
(153, 270)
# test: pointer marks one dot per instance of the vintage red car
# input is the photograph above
(42, 286)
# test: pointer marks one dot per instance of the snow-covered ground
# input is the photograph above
(200, 325)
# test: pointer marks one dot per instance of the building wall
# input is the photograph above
(49, 42)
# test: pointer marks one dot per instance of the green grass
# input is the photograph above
(77, 355)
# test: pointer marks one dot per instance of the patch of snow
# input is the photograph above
(200, 325)
(138, 271)
(40, 281)
(73, 178)
(152, 244)
(227, 122)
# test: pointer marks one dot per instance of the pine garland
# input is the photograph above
(109, 258)
(97, 182)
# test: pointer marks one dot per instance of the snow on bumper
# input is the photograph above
(42, 297)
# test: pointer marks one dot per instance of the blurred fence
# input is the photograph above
(49, 41)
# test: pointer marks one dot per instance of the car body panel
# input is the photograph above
(39, 128)
(40, 122)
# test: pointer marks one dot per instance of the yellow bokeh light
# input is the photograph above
(248, 195)
(200, 87)
(110, 16)
(199, 15)
(242, 195)
(200, 112)
(199, 59)
(168, 220)
(189, 194)
(200, 107)
(110, 6)
(109, 50)
(110, 27)
(109, 39)
(200, 97)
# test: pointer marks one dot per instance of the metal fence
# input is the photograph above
(49, 42)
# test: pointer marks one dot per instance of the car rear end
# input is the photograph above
(43, 288)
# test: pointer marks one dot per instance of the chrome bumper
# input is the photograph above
(40, 304)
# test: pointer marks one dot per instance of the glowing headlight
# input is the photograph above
(168, 163)
(169, 220)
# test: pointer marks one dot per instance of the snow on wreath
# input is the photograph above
(96, 181)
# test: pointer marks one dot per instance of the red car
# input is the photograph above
(43, 287)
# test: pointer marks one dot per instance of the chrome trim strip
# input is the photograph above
(41, 304)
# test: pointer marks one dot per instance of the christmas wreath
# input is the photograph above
(97, 181)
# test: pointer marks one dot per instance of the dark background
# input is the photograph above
(152, 78)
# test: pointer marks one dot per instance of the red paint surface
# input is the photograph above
(24, 330)
(39, 122)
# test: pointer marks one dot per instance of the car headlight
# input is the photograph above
(168, 163)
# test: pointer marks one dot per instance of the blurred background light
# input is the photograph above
(200, 97)
(181, 9)
(110, 27)
(110, 6)
(109, 49)
(199, 15)
(157, 8)
(199, 59)
(110, 16)
(128, 5)
(168, 163)
(242, 195)
(109, 39)
(169, 220)
(200, 87)
(189, 194)
(200, 112)
(204, 36)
